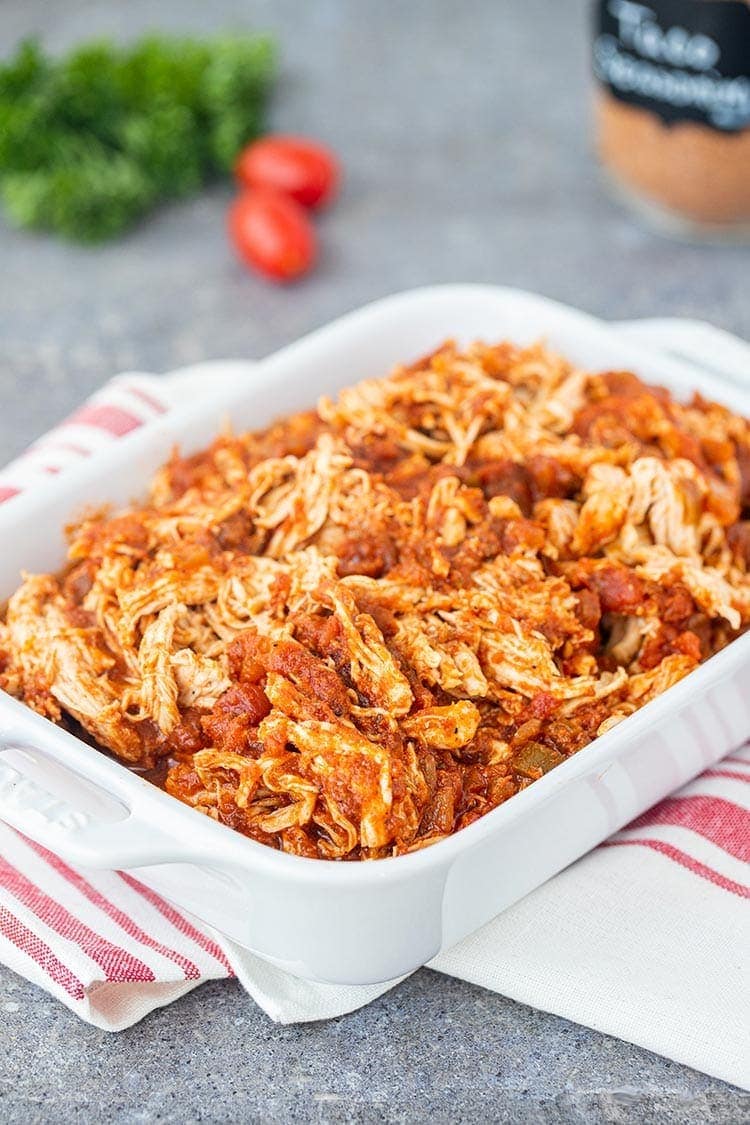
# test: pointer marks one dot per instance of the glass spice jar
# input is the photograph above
(673, 110)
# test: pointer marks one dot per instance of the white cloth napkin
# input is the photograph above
(646, 938)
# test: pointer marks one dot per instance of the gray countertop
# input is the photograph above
(465, 133)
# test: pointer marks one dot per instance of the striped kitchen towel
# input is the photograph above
(125, 404)
(645, 938)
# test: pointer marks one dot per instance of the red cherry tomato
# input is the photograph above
(306, 170)
(272, 233)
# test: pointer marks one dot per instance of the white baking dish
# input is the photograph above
(354, 922)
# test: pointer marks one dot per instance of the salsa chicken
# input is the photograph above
(353, 633)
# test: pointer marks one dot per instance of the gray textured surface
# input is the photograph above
(464, 129)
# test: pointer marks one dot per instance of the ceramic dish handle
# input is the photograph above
(65, 819)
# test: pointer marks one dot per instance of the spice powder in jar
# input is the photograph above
(673, 109)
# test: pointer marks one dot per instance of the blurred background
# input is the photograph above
(465, 132)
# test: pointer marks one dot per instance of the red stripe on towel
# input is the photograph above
(113, 419)
(153, 402)
(29, 943)
(722, 822)
(179, 922)
(733, 775)
(684, 860)
(189, 968)
(115, 962)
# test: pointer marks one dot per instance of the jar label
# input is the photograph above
(685, 60)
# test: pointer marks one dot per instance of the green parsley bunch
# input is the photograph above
(91, 141)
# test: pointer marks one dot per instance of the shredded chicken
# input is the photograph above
(354, 633)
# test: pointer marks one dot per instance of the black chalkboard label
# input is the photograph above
(685, 60)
